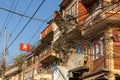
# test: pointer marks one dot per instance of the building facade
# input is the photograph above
(81, 42)
(97, 46)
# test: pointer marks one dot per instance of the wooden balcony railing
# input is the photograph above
(12, 71)
(78, 61)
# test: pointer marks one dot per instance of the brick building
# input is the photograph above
(81, 42)
(97, 22)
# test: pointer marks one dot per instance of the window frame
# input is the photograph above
(98, 50)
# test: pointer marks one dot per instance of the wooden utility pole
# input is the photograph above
(4, 56)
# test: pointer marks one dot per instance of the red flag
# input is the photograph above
(24, 47)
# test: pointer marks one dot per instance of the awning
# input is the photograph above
(78, 69)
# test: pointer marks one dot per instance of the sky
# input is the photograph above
(14, 23)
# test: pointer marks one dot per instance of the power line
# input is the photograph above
(20, 21)
(26, 24)
(86, 12)
(21, 18)
(8, 16)
(12, 15)
(39, 29)
(4, 25)
(20, 14)
(98, 21)
(102, 19)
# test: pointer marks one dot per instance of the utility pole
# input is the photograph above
(4, 56)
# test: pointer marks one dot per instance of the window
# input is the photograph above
(86, 51)
(72, 10)
(98, 50)
(115, 7)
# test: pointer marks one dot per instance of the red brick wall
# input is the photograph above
(43, 34)
(117, 56)
(82, 13)
(49, 28)
(46, 31)
(116, 50)
(112, 15)
(98, 63)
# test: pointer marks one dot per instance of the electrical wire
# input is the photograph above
(79, 16)
(20, 14)
(93, 12)
(43, 22)
(26, 24)
(39, 29)
(20, 21)
(21, 18)
(7, 16)
(99, 64)
(104, 18)
(101, 19)
(4, 25)
(12, 15)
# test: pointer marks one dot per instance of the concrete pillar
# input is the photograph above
(110, 57)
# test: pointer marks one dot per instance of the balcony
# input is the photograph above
(78, 64)
(43, 77)
(48, 37)
(64, 2)
(88, 2)
(70, 31)
(12, 71)
(46, 31)
(48, 58)
(43, 74)
(101, 19)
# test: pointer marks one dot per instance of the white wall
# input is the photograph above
(56, 32)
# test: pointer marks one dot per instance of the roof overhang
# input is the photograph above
(99, 74)
(88, 2)
(48, 60)
(80, 69)
(64, 2)
(99, 27)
